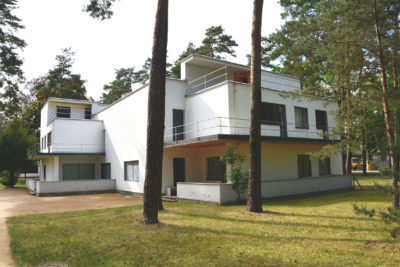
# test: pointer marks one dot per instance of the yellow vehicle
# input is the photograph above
(356, 163)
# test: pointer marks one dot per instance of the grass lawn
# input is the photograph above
(312, 231)
(371, 179)
(20, 183)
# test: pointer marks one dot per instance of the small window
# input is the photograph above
(49, 139)
(304, 165)
(131, 169)
(44, 172)
(324, 166)
(301, 118)
(106, 171)
(88, 113)
(63, 112)
(45, 142)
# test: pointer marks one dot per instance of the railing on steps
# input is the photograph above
(355, 180)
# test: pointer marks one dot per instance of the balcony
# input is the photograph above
(238, 129)
(65, 149)
(69, 113)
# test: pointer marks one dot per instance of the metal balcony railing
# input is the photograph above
(235, 126)
(65, 148)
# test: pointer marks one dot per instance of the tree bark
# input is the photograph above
(386, 110)
(155, 120)
(254, 200)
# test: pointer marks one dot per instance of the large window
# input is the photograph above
(75, 171)
(324, 166)
(88, 113)
(301, 118)
(273, 114)
(131, 169)
(216, 169)
(304, 165)
(106, 171)
(63, 112)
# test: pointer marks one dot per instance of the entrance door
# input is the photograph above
(179, 170)
(177, 123)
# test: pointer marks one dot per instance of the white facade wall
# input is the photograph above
(204, 110)
(77, 136)
(125, 125)
(279, 82)
(241, 102)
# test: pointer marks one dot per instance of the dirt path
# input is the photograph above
(18, 201)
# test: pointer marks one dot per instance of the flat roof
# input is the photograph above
(209, 61)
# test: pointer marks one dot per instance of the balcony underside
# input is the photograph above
(218, 139)
(39, 156)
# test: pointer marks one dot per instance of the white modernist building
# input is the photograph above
(88, 147)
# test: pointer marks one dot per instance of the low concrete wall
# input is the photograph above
(74, 187)
(30, 184)
(223, 193)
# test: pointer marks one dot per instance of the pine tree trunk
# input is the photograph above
(364, 153)
(386, 110)
(254, 200)
(155, 120)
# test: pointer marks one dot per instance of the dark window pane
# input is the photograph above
(321, 120)
(325, 166)
(106, 170)
(304, 165)
(63, 112)
(216, 169)
(88, 113)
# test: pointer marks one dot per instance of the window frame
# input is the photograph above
(304, 164)
(274, 107)
(302, 126)
(126, 178)
(88, 113)
(321, 171)
(64, 114)
(104, 170)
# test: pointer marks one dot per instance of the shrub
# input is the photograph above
(7, 179)
(236, 175)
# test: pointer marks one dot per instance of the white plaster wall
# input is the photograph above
(75, 186)
(77, 136)
(77, 109)
(224, 193)
(279, 82)
(125, 125)
(240, 108)
(50, 175)
(204, 108)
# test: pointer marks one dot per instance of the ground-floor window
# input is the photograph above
(76, 171)
(325, 166)
(216, 169)
(131, 170)
(44, 172)
(106, 170)
(304, 165)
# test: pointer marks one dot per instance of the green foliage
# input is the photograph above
(58, 82)
(100, 9)
(215, 44)
(363, 210)
(235, 174)
(5, 179)
(10, 63)
(14, 142)
(124, 78)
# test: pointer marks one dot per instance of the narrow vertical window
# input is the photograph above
(88, 113)
(301, 118)
(304, 165)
